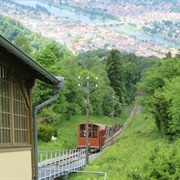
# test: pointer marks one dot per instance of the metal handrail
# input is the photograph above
(58, 162)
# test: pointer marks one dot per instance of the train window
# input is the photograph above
(82, 127)
(94, 131)
(82, 134)
(89, 126)
(82, 130)
(95, 127)
(95, 135)
(90, 134)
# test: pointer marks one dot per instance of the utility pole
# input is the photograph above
(112, 118)
(88, 89)
(114, 102)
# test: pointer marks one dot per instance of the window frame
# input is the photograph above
(12, 81)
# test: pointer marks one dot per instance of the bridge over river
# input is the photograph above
(111, 24)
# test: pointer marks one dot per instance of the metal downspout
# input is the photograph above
(57, 88)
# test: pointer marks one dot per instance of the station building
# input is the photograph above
(18, 129)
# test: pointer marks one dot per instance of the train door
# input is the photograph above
(81, 136)
(93, 136)
(82, 132)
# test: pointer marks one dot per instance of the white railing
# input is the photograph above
(60, 162)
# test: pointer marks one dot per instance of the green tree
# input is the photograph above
(23, 43)
(115, 72)
(69, 69)
(131, 75)
(104, 91)
(11, 32)
(47, 59)
(159, 94)
(93, 90)
(171, 94)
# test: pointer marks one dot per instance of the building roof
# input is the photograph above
(16, 57)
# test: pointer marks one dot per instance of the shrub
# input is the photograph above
(49, 116)
(45, 132)
(163, 164)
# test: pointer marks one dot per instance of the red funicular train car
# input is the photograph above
(96, 135)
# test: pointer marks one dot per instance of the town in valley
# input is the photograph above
(80, 36)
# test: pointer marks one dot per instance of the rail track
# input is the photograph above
(62, 162)
(53, 164)
(116, 135)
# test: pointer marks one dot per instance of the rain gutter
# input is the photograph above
(57, 88)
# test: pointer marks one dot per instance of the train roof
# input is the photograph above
(17, 58)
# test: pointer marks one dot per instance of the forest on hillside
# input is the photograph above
(149, 149)
(119, 74)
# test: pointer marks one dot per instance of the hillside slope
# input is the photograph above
(140, 153)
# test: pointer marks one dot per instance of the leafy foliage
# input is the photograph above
(140, 153)
(161, 87)
(73, 98)
(50, 117)
(120, 74)
(115, 72)
(163, 163)
(45, 132)
(67, 131)
(23, 43)
(56, 59)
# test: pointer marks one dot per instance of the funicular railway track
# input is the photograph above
(59, 163)
(62, 162)
(114, 137)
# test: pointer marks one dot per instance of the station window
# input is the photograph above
(14, 127)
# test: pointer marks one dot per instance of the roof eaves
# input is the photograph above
(28, 61)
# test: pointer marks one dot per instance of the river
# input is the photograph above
(80, 17)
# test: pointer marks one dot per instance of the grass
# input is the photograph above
(67, 137)
(126, 159)
(140, 153)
